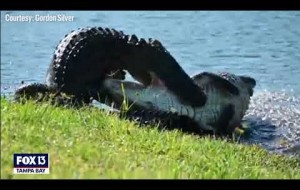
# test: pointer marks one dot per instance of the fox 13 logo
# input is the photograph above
(31, 164)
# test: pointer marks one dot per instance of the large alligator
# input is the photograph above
(86, 56)
(228, 98)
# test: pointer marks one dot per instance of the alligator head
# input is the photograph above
(228, 99)
(30, 91)
(40, 92)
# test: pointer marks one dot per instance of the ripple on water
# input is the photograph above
(274, 118)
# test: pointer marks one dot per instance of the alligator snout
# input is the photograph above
(30, 91)
(250, 83)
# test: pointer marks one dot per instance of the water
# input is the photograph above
(261, 44)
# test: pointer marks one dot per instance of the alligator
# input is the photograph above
(228, 98)
(87, 56)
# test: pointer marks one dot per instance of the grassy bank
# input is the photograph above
(89, 143)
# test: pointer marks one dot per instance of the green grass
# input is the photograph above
(89, 143)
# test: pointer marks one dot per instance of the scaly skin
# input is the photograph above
(163, 120)
(228, 97)
(86, 56)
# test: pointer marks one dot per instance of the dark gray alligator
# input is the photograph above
(86, 56)
(228, 98)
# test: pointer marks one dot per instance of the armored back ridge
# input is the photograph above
(151, 59)
(84, 57)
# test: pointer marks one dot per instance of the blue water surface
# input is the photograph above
(262, 44)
